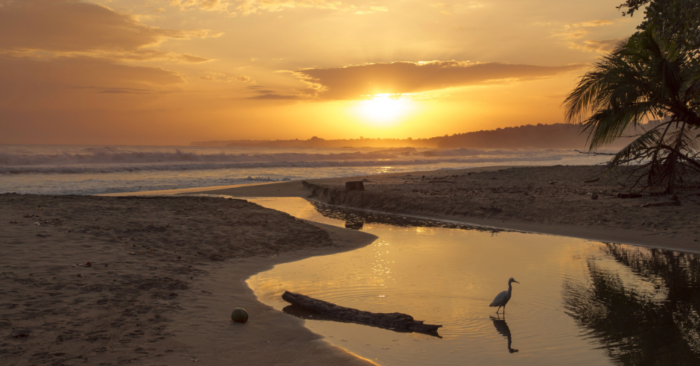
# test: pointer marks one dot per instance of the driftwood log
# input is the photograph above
(355, 186)
(393, 321)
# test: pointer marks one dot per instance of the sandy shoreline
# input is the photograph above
(109, 280)
(165, 272)
(549, 200)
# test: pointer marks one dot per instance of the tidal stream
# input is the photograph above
(579, 302)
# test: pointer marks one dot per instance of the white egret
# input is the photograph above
(502, 299)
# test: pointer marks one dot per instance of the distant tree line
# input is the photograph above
(540, 136)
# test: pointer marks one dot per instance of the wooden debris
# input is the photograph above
(355, 186)
(670, 203)
(629, 195)
(591, 180)
(394, 321)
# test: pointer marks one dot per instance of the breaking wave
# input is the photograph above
(102, 168)
(111, 159)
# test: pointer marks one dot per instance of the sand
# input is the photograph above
(551, 200)
(152, 281)
(108, 280)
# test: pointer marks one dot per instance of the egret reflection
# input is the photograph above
(503, 329)
(635, 326)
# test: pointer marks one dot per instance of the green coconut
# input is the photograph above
(239, 315)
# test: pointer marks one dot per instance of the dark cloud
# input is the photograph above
(269, 94)
(273, 96)
(65, 26)
(44, 83)
(128, 91)
(354, 82)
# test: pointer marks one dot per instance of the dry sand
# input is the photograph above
(106, 280)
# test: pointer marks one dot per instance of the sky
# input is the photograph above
(169, 72)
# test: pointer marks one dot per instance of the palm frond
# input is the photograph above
(640, 146)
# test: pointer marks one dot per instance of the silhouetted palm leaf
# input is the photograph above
(643, 78)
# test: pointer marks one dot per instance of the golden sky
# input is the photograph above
(176, 71)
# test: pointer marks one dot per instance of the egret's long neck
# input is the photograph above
(510, 287)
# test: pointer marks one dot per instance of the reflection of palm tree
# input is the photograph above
(502, 328)
(637, 327)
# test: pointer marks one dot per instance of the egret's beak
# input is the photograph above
(516, 281)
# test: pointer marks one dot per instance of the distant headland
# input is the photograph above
(540, 136)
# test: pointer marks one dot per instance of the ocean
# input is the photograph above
(84, 169)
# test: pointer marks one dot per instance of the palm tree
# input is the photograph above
(646, 77)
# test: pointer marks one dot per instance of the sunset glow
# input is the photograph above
(383, 109)
(175, 71)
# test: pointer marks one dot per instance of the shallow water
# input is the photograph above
(578, 302)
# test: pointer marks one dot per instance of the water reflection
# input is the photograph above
(502, 328)
(652, 321)
(355, 219)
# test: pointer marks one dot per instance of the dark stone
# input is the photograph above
(594, 196)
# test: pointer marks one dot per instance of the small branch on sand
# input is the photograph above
(671, 203)
(393, 321)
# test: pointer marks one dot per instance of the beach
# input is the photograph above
(152, 280)
(109, 280)
(577, 201)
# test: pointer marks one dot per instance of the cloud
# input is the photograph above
(269, 94)
(69, 26)
(221, 77)
(249, 7)
(355, 82)
(574, 32)
(591, 24)
(450, 8)
(66, 81)
(209, 5)
(580, 30)
(604, 46)
(273, 96)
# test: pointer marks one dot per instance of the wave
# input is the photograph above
(108, 155)
(207, 162)
(114, 155)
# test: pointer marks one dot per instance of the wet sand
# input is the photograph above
(111, 280)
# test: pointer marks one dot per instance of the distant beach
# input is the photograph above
(579, 201)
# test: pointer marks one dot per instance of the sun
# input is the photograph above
(384, 108)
